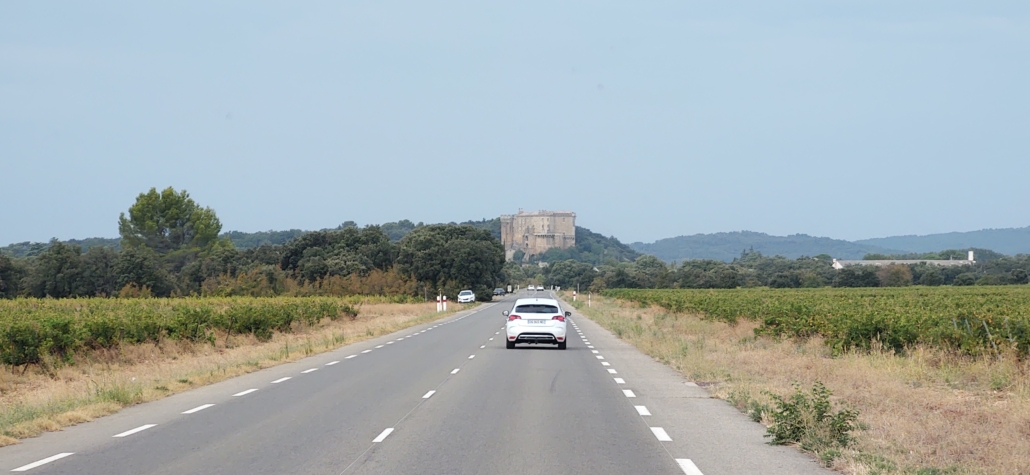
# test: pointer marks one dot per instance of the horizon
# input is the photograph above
(577, 224)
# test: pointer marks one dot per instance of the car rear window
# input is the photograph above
(538, 308)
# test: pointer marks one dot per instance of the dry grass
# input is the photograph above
(101, 383)
(925, 412)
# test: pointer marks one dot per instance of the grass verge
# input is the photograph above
(102, 382)
(927, 411)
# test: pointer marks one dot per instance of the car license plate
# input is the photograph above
(537, 322)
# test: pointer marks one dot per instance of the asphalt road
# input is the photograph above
(444, 397)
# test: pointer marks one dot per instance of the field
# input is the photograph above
(974, 320)
(939, 398)
(68, 361)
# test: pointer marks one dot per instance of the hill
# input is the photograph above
(727, 246)
(1009, 241)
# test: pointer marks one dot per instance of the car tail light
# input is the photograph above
(560, 318)
(514, 317)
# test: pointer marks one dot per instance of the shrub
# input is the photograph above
(808, 419)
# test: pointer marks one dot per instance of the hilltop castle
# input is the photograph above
(535, 233)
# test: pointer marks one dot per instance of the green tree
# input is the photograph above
(168, 221)
(56, 272)
(449, 256)
(895, 275)
(142, 267)
(567, 274)
(10, 275)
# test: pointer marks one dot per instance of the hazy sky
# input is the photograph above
(848, 119)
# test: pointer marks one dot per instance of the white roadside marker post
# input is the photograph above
(438, 305)
(445, 303)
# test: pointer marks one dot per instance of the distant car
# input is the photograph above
(466, 296)
(530, 287)
(539, 288)
(499, 291)
(536, 321)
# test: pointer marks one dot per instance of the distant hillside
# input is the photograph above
(727, 246)
(592, 248)
(244, 240)
(1009, 241)
(28, 249)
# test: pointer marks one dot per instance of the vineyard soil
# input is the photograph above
(926, 410)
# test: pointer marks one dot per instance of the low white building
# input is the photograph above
(840, 264)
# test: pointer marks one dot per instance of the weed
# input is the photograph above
(807, 419)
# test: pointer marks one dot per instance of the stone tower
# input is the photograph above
(535, 233)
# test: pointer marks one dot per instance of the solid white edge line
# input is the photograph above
(628, 393)
(642, 410)
(429, 394)
(332, 363)
(661, 434)
(133, 431)
(244, 393)
(309, 371)
(198, 408)
(282, 379)
(382, 436)
(688, 467)
(455, 370)
(45, 461)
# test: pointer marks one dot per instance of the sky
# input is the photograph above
(846, 119)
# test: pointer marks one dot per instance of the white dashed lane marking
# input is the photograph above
(472, 356)
(25, 468)
(620, 381)
(455, 370)
(389, 342)
(642, 410)
(660, 434)
(605, 363)
(244, 393)
(628, 393)
(367, 351)
(331, 363)
(349, 357)
(429, 394)
(594, 351)
(481, 347)
(380, 346)
(282, 379)
(599, 357)
(133, 431)
(383, 435)
(198, 408)
(688, 467)
(309, 371)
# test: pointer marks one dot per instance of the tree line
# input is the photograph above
(171, 246)
(752, 269)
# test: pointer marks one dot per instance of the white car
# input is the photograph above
(536, 321)
(466, 296)
(530, 287)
